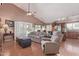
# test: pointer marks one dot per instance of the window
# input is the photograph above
(37, 27)
(72, 26)
(48, 27)
(43, 27)
(22, 28)
(59, 28)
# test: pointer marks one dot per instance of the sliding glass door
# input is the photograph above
(22, 29)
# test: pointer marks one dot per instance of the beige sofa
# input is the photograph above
(35, 37)
(52, 47)
(38, 38)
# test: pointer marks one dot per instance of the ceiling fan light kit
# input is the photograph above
(29, 13)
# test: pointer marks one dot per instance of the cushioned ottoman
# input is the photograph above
(24, 42)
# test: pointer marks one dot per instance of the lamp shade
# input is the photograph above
(5, 26)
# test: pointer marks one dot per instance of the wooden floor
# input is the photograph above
(13, 49)
(68, 48)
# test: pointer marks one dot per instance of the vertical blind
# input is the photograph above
(22, 28)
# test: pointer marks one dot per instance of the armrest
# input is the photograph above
(51, 48)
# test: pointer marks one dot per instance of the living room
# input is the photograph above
(28, 29)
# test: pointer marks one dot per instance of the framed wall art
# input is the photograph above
(9, 23)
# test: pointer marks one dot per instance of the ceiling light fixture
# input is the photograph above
(29, 13)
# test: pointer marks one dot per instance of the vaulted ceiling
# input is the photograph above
(50, 12)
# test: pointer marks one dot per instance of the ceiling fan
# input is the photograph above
(29, 12)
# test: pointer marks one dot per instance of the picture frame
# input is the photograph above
(10, 23)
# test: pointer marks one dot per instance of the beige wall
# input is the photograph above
(11, 12)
